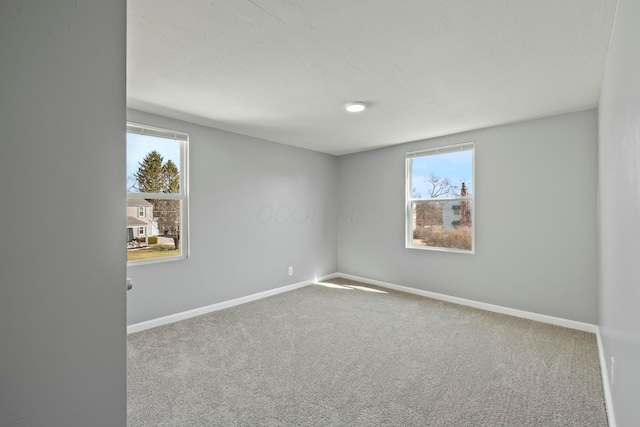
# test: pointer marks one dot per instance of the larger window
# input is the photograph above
(440, 198)
(156, 194)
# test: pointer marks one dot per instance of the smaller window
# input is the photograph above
(440, 199)
(157, 205)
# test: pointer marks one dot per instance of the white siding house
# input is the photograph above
(140, 219)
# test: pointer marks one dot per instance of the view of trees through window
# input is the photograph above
(154, 190)
(440, 198)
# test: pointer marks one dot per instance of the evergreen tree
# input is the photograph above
(172, 177)
(150, 175)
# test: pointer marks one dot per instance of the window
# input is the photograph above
(156, 193)
(440, 192)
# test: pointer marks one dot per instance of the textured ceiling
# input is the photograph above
(282, 70)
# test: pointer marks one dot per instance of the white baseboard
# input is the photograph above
(558, 321)
(137, 327)
(605, 381)
(587, 327)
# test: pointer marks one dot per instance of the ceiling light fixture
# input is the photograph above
(355, 107)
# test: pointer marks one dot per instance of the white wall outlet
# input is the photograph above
(613, 369)
(290, 271)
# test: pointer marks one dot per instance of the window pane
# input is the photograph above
(442, 175)
(156, 193)
(153, 164)
(161, 229)
(445, 224)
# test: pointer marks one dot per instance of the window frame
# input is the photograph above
(182, 196)
(409, 199)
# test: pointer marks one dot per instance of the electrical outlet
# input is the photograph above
(613, 369)
(290, 271)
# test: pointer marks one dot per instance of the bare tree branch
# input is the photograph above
(439, 186)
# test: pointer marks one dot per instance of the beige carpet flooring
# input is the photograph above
(350, 354)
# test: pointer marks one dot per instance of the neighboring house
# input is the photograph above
(454, 214)
(140, 219)
(458, 212)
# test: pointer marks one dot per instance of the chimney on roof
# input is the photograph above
(465, 221)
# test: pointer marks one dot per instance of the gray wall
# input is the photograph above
(619, 211)
(535, 219)
(256, 208)
(62, 160)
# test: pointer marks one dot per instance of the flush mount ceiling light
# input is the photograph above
(355, 107)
